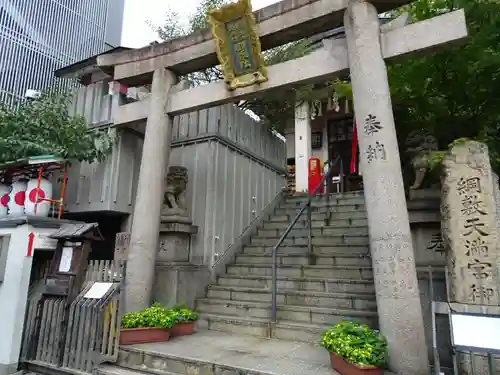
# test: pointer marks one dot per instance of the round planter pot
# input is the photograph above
(129, 336)
(340, 365)
(182, 329)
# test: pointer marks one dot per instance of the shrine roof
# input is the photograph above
(78, 231)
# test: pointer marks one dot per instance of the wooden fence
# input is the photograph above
(91, 334)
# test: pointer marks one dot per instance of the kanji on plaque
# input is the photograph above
(237, 44)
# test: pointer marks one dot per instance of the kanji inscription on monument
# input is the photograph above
(436, 244)
(470, 226)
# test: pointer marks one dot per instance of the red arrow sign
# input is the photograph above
(31, 240)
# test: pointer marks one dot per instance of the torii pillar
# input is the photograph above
(143, 247)
(396, 285)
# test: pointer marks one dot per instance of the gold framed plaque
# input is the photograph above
(238, 45)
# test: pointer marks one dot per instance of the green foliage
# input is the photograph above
(44, 126)
(155, 316)
(182, 314)
(356, 343)
(435, 158)
(453, 92)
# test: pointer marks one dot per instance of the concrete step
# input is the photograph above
(361, 301)
(359, 240)
(342, 213)
(118, 370)
(282, 222)
(315, 216)
(284, 330)
(335, 300)
(210, 352)
(316, 232)
(339, 250)
(333, 209)
(305, 260)
(290, 283)
(326, 272)
(324, 202)
(298, 283)
(319, 197)
(302, 314)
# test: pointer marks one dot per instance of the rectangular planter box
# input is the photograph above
(182, 329)
(129, 336)
(345, 368)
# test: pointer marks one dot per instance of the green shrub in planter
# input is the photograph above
(356, 343)
(155, 316)
(182, 314)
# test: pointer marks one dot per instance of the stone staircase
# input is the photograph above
(314, 290)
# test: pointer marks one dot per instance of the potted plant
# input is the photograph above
(355, 349)
(184, 319)
(150, 325)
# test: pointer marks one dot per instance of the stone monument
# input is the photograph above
(469, 227)
(175, 275)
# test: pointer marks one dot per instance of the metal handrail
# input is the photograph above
(307, 205)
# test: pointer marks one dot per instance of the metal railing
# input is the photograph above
(306, 205)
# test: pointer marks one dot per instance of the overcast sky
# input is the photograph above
(136, 33)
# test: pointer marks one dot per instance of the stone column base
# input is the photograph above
(175, 238)
(179, 283)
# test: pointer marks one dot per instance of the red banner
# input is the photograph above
(354, 150)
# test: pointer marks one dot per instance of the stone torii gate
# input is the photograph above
(364, 53)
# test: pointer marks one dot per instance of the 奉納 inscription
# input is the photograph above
(376, 152)
(372, 125)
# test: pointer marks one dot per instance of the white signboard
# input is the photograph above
(98, 290)
(66, 257)
(482, 332)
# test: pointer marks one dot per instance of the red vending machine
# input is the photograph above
(314, 176)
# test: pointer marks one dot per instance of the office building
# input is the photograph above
(39, 36)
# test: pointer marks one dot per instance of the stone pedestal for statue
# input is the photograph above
(175, 239)
(424, 194)
(470, 231)
(177, 280)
